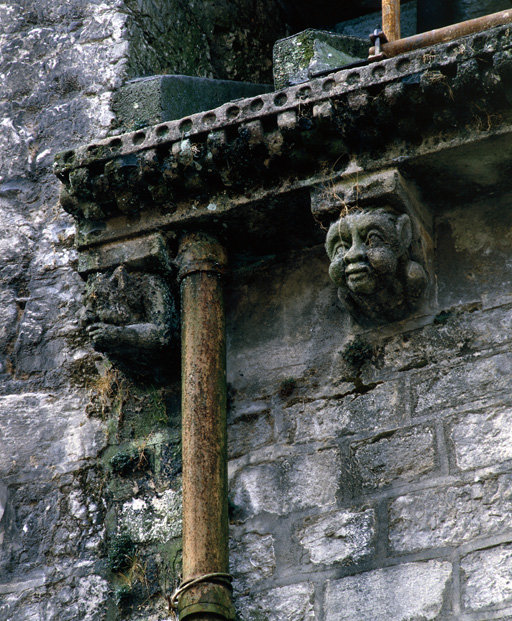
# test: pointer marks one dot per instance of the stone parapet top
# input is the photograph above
(427, 114)
(293, 98)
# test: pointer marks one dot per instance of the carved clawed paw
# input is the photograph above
(102, 335)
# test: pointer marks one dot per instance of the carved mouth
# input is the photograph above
(357, 270)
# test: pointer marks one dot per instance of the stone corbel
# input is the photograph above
(129, 309)
(379, 242)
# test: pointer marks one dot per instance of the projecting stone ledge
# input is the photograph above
(155, 99)
(440, 115)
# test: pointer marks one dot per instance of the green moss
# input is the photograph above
(152, 414)
(123, 596)
(358, 352)
(442, 317)
(125, 463)
(121, 552)
(306, 45)
(170, 561)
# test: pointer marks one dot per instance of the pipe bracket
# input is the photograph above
(207, 597)
(200, 252)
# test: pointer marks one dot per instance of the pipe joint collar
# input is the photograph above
(207, 597)
(199, 252)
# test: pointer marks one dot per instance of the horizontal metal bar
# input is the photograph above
(442, 35)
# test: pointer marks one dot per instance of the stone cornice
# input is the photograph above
(209, 165)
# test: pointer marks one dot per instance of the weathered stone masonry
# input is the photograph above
(369, 466)
(369, 477)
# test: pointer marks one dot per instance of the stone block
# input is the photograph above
(486, 578)
(464, 383)
(402, 593)
(249, 432)
(482, 438)
(453, 333)
(384, 406)
(153, 521)
(402, 455)
(147, 253)
(451, 515)
(385, 188)
(342, 537)
(287, 484)
(251, 559)
(286, 603)
(155, 99)
(35, 452)
(299, 57)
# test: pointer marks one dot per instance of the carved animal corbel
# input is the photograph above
(130, 316)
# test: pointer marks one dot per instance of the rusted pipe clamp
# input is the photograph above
(199, 252)
(214, 602)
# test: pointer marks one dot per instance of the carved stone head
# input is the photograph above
(372, 264)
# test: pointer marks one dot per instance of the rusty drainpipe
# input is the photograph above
(391, 19)
(442, 35)
(205, 592)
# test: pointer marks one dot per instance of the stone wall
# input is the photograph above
(59, 62)
(73, 448)
(370, 469)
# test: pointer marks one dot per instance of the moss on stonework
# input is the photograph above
(287, 387)
(121, 551)
(358, 352)
(129, 462)
(140, 469)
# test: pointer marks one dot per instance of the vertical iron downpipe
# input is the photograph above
(202, 261)
(391, 19)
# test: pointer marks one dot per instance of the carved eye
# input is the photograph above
(341, 248)
(374, 238)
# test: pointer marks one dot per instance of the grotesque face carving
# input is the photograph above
(370, 262)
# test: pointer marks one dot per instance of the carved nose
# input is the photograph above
(355, 253)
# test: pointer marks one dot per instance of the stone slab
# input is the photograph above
(343, 537)
(486, 578)
(155, 99)
(384, 406)
(148, 253)
(450, 516)
(252, 559)
(288, 484)
(299, 57)
(385, 188)
(286, 603)
(464, 383)
(397, 456)
(482, 437)
(403, 593)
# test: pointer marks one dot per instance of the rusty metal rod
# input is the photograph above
(391, 19)
(442, 35)
(202, 260)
